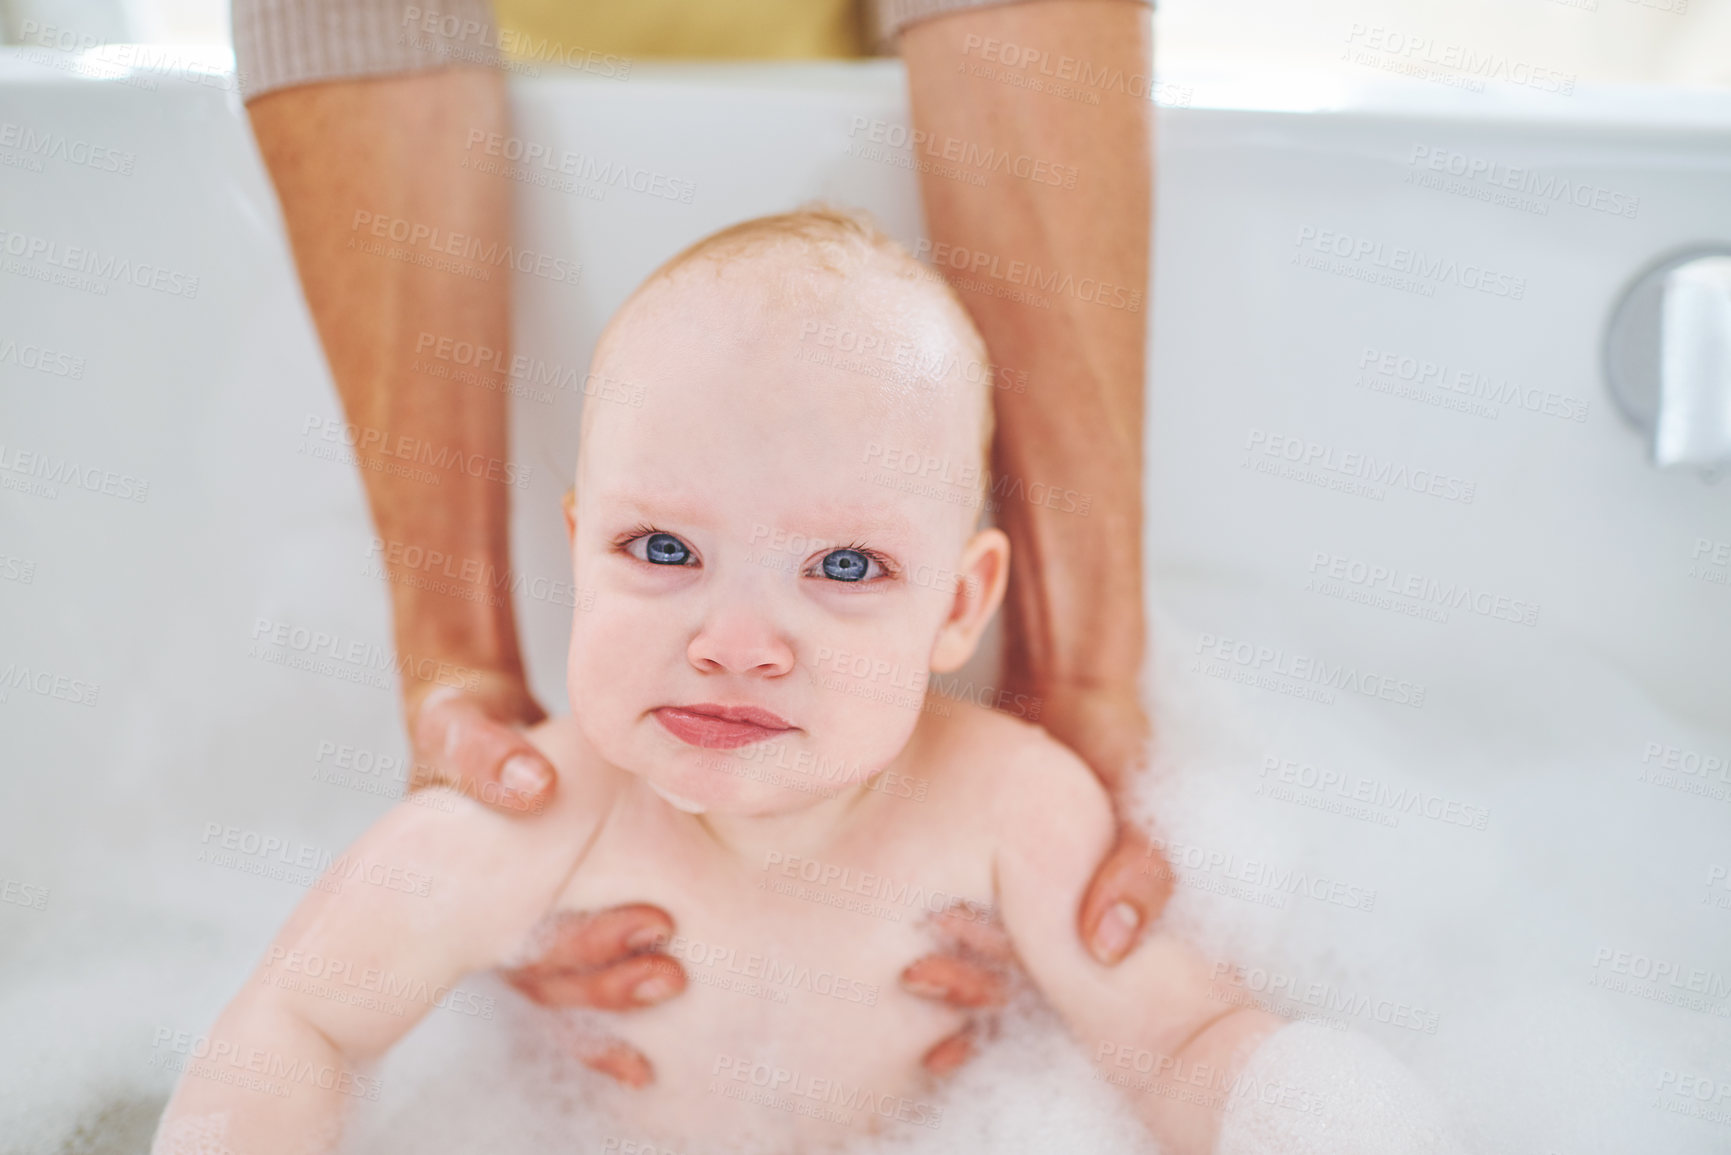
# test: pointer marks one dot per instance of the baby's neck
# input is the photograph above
(804, 831)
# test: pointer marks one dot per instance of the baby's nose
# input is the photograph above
(740, 640)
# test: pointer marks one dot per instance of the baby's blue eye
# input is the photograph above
(846, 565)
(665, 549)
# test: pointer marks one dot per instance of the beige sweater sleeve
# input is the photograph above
(282, 43)
(893, 16)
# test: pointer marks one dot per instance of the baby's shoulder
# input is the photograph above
(476, 836)
(492, 872)
(1004, 765)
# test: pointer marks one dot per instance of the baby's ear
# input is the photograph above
(569, 504)
(982, 576)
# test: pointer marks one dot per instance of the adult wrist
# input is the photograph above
(1106, 723)
(502, 692)
(458, 632)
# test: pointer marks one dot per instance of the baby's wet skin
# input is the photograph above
(793, 959)
(802, 901)
(711, 676)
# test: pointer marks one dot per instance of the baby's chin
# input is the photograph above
(677, 801)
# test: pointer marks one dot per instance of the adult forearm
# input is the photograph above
(372, 182)
(1054, 268)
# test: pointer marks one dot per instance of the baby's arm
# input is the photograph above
(438, 888)
(1184, 1049)
(1208, 1077)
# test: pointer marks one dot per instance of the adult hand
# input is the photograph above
(1074, 623)
(975, 968)
(340, 147)
(473, 740)
(974, 971)
(1108, 729)
(605, 960)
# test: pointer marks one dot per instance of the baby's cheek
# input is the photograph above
(902, 636)
(865, 735)
(612, 653)
(868, 696)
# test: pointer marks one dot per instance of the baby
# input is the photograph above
(752, 747)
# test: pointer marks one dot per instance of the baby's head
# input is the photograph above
(773, 584)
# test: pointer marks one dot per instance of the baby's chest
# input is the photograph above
(809, 935)
(792, 972)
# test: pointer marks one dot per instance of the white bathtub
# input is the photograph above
(1558, 725)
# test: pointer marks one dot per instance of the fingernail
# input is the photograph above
(925, 990)
(524, 775)
(1116, 932)
(653, 989)
(644, 938)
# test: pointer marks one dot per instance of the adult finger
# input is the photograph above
(960, 982)
(975, 931)
(592, 939)
(1128, 892)
(606, 960)
(485, 757)
(949, 1054)
(639, 981)
(620, 1060)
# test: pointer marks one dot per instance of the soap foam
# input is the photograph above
(1487, 938)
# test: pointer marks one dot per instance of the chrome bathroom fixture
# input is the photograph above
(1668, 357)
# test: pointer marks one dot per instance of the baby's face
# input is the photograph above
(766, 612)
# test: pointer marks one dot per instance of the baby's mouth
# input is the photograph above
(716, 727)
